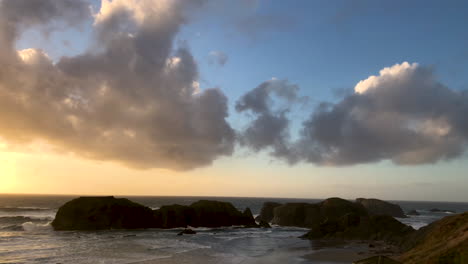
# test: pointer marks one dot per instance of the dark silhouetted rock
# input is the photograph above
(294, 214)
(266, 213)
(95, 213)
(335, 208)
(354, 227)
(172, 216)
(248, 220)
(379, 207)
(308, 215)
(413, 212)
(187, 231)
(217, 214)
(264, 224)
(443, 241)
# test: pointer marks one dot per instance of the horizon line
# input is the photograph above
(217, 196)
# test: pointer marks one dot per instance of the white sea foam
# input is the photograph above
(36, 227)
(176, 245)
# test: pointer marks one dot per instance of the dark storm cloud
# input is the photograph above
(133, 98)
(404, 115)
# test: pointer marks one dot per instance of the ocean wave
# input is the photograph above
(23, 208)
(36, 227)
(175, 246)
(23, 219)
(22, 224)
(12, 228)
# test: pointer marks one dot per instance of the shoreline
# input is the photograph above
(348, 251)
(299, 252)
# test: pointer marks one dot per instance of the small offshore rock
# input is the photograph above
(413, 212)
(264, 224)
(187, 231)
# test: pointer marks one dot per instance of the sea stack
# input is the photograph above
(97, 213)
(379, 207)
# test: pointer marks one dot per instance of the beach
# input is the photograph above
(27, 237)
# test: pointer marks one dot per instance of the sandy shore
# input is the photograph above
(348, 252)
(303, 252)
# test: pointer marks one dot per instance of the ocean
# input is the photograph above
(27, 237)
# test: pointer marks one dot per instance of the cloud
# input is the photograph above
(218, 57)
(404, 114)
(132, 98)
(270, 127)
(16, 16)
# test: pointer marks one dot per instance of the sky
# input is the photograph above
(252, 98)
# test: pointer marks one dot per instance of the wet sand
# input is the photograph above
(303, 252)
(334, 252)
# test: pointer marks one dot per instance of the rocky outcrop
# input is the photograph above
(264, 224)
(186, 231)
(217, 214)
(412, 212)
(355, 227)
(172, 216)
(266, 213)
(443, 241)
(309, 215)
(379, 207)
(94, 213)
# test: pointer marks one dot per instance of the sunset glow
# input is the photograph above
(153, 97)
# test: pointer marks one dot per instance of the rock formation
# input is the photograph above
(355, 227)
(379, 207)
(95, 213)
(266, 213)
(172, 216)
(217, 214)
(264, 224)
(413, 212)
(186, 231)
(309, 215)
(443, 241)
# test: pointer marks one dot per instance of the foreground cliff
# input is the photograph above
(96, 213)
(444, 241)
